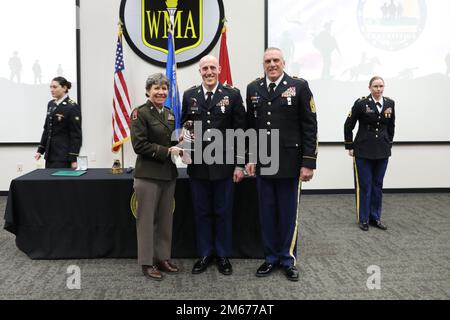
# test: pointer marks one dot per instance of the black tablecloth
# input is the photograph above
(90, 216)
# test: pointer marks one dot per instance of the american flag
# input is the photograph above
(121, 102)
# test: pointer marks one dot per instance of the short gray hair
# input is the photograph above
(274, 49)
(156, 79)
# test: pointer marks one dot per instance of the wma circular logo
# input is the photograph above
(197, 25)
(391, 24)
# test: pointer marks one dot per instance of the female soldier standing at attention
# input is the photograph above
(61, 139)
(371, 150)
(154, 178)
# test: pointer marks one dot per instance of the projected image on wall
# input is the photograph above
(38, 44)
(339, 45)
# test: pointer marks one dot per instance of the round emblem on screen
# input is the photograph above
(197, 25)
(392, 24)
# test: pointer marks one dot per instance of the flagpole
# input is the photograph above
(123, 164)
(122, 147)
(121, 102)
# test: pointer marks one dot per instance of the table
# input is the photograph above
(90, 216)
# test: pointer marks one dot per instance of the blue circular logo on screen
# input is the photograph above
(391, 24)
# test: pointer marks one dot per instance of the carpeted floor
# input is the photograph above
(334, 254)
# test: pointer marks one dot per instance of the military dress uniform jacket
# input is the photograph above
(291, 110)
(375, 132)
(151, 139)
(62, 137)
(226, 111)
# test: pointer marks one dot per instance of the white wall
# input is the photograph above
(410, 166)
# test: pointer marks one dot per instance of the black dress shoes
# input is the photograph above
(378, 224)
(364, 226)
(224, 266)
(201, 265)
(291, 273)
(265, 269)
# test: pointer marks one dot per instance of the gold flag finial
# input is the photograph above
(120, 25)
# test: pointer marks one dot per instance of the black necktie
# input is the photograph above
(209, 99)
(378, 106)
(272, 86)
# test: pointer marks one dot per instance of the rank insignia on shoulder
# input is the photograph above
(299, 79)
(229, 86)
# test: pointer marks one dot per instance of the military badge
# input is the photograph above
(349, 114)
(134, 115)
(290, 92)
(194, 106)
(223, 103)
(255, 99)
(388, 113)
(369, 110)
(170, 117)
(59, 116)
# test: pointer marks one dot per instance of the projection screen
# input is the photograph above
(337, 46)
(38, 43)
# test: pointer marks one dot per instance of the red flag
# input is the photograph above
(224, 61)
(121, 101)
